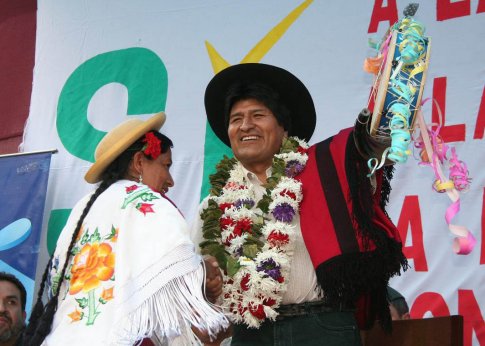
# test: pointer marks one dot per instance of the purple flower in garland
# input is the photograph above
(283, 212)
(247, 202)
(270, 268)
(293, 168)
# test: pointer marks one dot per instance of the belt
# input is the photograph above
(292, 310)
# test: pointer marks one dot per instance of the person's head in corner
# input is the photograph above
(13, 298)
(397, 305)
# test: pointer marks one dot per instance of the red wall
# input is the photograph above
(17, 50)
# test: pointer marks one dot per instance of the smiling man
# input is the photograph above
(12, 309)
(299, 231)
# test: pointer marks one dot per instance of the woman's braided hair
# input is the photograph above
(41, 317)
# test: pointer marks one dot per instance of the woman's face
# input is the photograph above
(156, 173)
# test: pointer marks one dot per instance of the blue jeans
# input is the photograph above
(325, 328)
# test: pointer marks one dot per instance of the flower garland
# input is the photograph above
(253, 243)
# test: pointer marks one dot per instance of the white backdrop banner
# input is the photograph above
(99, 62)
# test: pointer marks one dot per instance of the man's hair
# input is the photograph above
(13, 279)
(262, 93)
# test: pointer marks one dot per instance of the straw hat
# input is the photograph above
(118, 140)
(296, 96)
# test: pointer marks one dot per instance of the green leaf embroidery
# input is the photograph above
(82, 302)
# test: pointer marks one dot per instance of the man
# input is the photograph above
(397, 305)
(299, 232)
(12, 309)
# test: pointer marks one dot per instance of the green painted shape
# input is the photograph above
(57, 221)
(140, 70)
(214, 150)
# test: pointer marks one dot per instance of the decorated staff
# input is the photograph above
(400, 69)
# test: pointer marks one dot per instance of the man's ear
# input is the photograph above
(24, 315)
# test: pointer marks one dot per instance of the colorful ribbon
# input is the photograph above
(464, 241)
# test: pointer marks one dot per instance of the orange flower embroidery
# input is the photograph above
(107, 294)
(75, 315)
(93, 264)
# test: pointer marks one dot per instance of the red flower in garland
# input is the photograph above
(290, 194)
(277, 239)
(225, 222)
(269, 302)
(245, 282)
(257, 311)
(243, 225)
(152, 147)
(224, 206)
(241, 309)
(301, 150)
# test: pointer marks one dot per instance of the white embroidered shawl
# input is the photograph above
(134, 272)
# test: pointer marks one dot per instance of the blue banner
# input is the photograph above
(23, 186)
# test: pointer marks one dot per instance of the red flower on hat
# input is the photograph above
(152, 147)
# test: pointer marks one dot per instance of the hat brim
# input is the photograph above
(297, 97)
(93, 175)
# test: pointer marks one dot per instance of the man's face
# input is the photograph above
(254, 133)
(12, 317)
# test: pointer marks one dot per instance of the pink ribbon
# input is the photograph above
(459, 180)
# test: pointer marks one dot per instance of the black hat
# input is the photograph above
(297, 97)
(393, 295)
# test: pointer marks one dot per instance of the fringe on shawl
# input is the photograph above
(347, 278)
(170, 313)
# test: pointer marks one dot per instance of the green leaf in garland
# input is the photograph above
(264, 203)
(250, 250)
(289, 145)
(217, 250)
(218, 179)
(254, 240)
(232, 266)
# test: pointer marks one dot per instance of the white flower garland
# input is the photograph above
(254, 292)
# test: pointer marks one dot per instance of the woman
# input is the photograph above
(124, 267)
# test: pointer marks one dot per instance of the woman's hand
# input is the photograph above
(213, 279)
